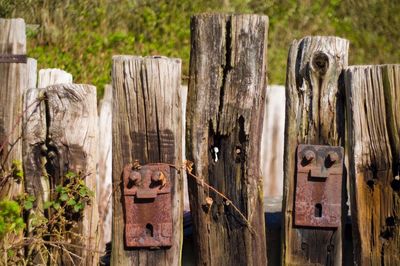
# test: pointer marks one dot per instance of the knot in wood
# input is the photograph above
(320, 63)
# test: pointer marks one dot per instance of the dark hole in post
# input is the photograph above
(390, 221)
(395, 185)
(320, 62)
(371, 183)
(318, 210)
(149, 230)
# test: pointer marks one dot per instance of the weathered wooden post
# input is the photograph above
(373, 94)
(224, 120)
(147, 126)
(60, 138)
(104, 181)
(37, 183)
(52, 76)
(314, 115)
(13, 76)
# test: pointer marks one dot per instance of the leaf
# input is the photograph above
(64, 197)
(71, 202)
(48, 204)
(59, 189)
(31, 198)
(56, 205)
(28, 205)
(78, 207)
(83, 192)
(70, 174)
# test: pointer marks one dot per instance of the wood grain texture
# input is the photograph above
(61, 136)
(72, 133)
(373, 105)
(37, 182)
(53, 76)
(314, 115)
(104, 179)
(225, 111)
(13, 82)
(147, 126)
(32, 73)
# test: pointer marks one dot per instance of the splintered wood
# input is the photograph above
(147, 126)
(314, 115)
(373, 106)
(224, 119)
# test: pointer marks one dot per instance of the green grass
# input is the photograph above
(82, 36)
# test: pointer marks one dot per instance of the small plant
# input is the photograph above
(49, 228)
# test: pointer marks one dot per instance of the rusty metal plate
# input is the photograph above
(318, 198)
(147, 200)
(13, 58)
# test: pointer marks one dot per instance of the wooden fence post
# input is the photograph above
(147, 126)
(224, 120)
(104, 182)
(314, 115)
(37, 182)
(13, 82)
(53, 76)
(373, 105)
(61, 136)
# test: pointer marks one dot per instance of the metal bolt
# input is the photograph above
(331, 159)
(155, 177)
(308, 157)
(135, 177)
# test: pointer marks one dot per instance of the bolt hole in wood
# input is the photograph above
(318, 210)
(390, 221)
(396, 184)
(214, 153)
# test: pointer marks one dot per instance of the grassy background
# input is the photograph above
(82, 36)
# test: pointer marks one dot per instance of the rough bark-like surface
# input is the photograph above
(314, 115)
(147, 126)
(373, 105)
(225, 112)
(61, 136)
(13, 81)
(104, 182)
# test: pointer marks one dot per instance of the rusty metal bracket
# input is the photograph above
(318, 198)
(13, 58)
(147, 206)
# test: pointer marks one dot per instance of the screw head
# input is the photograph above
(135, 177)
(308, 157)
(155, 177)
(332, 158)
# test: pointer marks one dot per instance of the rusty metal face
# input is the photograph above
(147, 200)
(318, 196)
